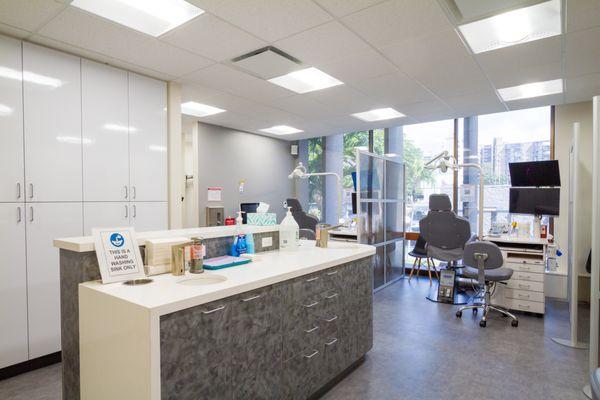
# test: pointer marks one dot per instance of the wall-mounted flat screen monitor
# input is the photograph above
(535, 201)
(534, 173)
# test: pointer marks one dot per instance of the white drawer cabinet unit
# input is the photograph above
(11, 122)
(52, 124)
(82, 145)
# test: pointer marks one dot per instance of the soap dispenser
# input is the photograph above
(289, 232)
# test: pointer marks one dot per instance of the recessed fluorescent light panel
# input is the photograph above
(199, 110)
(378, 114)
(531, 90)
(306, 80)
(153, 17)
(514, 27)
(281, 130)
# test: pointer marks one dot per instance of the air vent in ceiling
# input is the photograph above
(267, 63)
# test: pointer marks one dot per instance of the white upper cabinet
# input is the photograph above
(11, 121)
(148, 138)
(105, 132)
(52, 116)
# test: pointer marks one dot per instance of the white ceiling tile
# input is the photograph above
(582, 14)
(344, 100)
(535, 61)
(92, 33)
(423, 109)
(303, 106)
(359, 66)
(322, 44)
(396, 20)
(396, 89)
(553, 99)
(29, 15)
(212, 37)
(238, 83)
(340, 8)
(582, 88)
(475, 104)
(583, 52)
(14, 32)
(270, 20)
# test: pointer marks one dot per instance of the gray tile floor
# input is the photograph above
(422, 351)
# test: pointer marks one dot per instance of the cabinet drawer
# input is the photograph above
(301, 373)
(524, 305)
(256, 314)
(528, 276)
(526, 267)
(525, 285)
(305, 287)
(524, 295)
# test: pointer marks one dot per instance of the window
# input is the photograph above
(379, 141)
(315, 183)
(351, 142)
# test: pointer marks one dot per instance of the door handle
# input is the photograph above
(126, 191)
(126, 211)
(312, 279)
(214, 310)
(312, 355)
(333, 341)
(19, 218)
(251, 298)
(311, 305)
(31, 190)
(18, 190)
(311, 330)
(31, 214)
(133, 192)
(134, 211)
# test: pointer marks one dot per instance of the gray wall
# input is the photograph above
(226, 156)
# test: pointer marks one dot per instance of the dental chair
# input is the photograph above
(306, 222)
(483, 262)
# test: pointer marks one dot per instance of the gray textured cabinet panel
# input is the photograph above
(278, 342)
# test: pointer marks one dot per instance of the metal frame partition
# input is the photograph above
(380, 203)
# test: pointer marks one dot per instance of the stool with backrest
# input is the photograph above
(418, 253)
(483, 262)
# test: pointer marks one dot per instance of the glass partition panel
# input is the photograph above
(370, 177)
(394, 221)
(371, 222)
(394, 180)
(394, 260)
(378, 267)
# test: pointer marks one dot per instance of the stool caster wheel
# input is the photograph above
(482, 323)
(515, 323)
(458, 314)
(475, 311)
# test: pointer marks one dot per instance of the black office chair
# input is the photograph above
(483, 262)
(306, 222)
(418, 253)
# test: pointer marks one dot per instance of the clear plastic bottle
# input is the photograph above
(289, 232)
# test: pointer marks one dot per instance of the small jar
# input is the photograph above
(197, 253)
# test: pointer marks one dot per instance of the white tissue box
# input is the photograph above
(262, 219)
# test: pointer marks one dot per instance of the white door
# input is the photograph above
(104, 215)
(105, 132)
(149, 216)
(52, 124)
(11, 121)
(148, 138)
(13, 285)
(46, 222)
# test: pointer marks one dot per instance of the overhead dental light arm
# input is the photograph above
(300, 173)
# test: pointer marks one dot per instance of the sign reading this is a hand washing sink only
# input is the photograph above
(118, 254)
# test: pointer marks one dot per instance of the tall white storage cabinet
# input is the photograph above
(13, 285)
(52, 124)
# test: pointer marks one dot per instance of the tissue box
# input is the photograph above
(262, 219)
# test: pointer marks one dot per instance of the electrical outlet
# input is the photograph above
(267, 241)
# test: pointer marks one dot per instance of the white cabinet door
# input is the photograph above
(46, 222)
(105, 132)
(149, 216)
(104, 215)
(52, 124)
(148, 138)
(11, 121)
(13, 285)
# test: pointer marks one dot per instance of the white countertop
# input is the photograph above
(516, 239)
(164, 295)
(86, 243)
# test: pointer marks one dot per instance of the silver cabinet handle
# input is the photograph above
(331, 319)
(311, 305)
(332, 273)
(19, 214)
(126, 211)
(312, 279)
(311, 330)
(134, 211)
(312, 355)
(214, 310)
(524, 286)
(31, 190)
(524, 296)
(18, 190)
(523, 306)
(252, 298)
(333, 341)
(133, 192)
(331, 296)
(30, 212)
(126, 191)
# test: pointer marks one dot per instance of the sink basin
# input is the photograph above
(203, 280)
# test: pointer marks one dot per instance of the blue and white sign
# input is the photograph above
(118, 254)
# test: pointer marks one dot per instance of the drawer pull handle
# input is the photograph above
(214, 310)
(523, 306)
(526, 276)
(333, 341)
(251, 298)
(311, 305)
(311, 330)
(332, 273)
(331, 319)
(524, 296)
(524, 286)
(331, 296)
(312, 279)
(312, 355)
